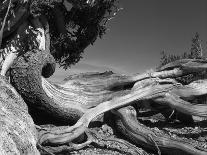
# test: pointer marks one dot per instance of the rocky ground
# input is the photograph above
(195, 134)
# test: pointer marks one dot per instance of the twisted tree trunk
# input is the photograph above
(84, 99)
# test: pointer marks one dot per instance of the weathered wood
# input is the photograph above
(18, 134)
(82, 92)
(85, 98)
(145, 137)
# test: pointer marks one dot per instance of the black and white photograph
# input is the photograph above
(103, 77)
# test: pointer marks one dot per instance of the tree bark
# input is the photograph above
(85, 98)
(18, 134)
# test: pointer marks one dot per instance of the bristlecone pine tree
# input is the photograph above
(91, 113)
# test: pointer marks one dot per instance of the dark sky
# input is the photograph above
(140, 32)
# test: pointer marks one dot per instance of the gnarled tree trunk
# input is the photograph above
(86, 96)
(85, 99)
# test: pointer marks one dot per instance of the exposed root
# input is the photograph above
(158, 149)
(99, 93)
(141, 135)
(84, 98)
(155, 91)
(93, 138)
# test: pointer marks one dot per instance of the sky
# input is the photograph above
(139, 33)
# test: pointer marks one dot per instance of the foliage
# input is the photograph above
(196, 47)
(84, 24)
(165, 59)
(196, 52)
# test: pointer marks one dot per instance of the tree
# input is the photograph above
(71, 30)
(196, 50)
(86, 99)
(163, 59)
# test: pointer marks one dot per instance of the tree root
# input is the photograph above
(93, 97)
(85, 98)
(93, 138)
(145, 137)
(157, 92)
